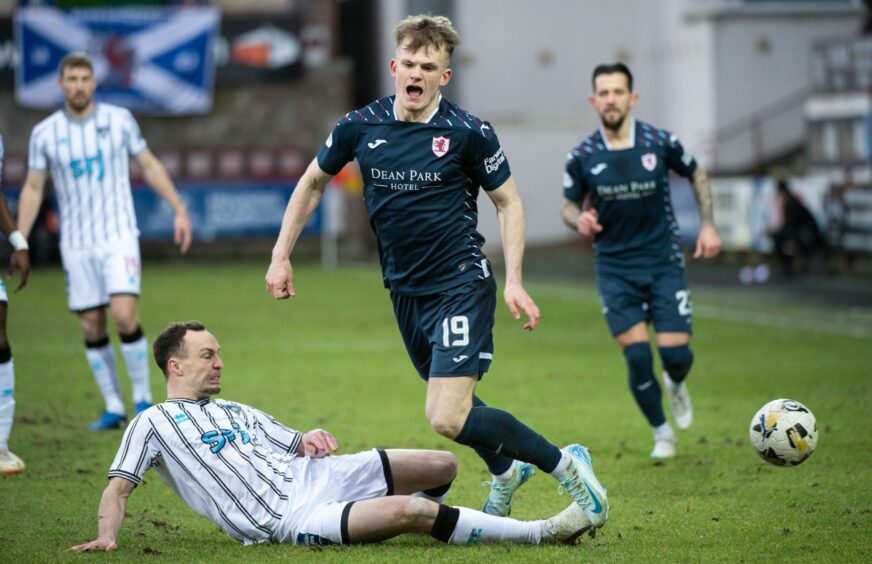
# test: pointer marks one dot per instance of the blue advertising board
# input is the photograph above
(229, 210)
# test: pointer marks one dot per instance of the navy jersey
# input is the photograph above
(629, 188)
(421, 183)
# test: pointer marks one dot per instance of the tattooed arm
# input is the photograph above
(708, 244)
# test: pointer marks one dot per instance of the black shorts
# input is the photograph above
(661, 298)
(449, 333)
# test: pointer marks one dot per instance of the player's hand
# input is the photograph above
(98, 544)
(519, 300)
(280, 279)
(318, 443)
(708, 244)
(182, 231)
(20, 261)
(588, 223)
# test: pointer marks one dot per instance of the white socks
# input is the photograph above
(507, 475)
(7, 402)
(562, 466)
(664, 432)
(477, 527)
(102, 363)
(136, 359)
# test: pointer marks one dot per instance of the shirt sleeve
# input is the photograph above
(272, 434)
(574, 186)
(489, 167)
(678, 159)
(138, 452)
(338, 149)
(36, 157)
(135, 143)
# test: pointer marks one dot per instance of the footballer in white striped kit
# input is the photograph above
(86, 148)
(263, 482)
(19, 260)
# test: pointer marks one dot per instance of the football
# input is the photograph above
(784, 432)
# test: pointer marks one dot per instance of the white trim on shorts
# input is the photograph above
(323, 491)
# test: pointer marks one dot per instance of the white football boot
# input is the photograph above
(679, 402)
(9, 463)
(582, 485)
(568, 525)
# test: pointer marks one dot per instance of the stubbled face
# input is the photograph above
(612, 99)
(201, 367)
(78, 85)
(418, 76)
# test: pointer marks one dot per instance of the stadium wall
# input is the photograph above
(698, 66)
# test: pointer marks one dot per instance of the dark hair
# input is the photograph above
(170, 342)
(427, 31)
(612, 69)
(73, 60)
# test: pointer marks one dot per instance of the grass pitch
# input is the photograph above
(333, 358)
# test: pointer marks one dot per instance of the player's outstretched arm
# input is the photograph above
(510, 213)
(110, 515)
(304, 201)
(20, 259)
(156, 176)
(708, 243)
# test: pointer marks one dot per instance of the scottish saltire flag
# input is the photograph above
(156, 61)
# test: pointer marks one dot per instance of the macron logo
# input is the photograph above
(459, 359)
(598, 168)
(376, 143)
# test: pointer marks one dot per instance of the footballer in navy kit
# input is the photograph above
(616, 189)
(423, 160)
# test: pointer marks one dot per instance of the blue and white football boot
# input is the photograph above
(581, 483)
(499, 500)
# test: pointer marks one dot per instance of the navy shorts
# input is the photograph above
(449, 333)
(661, 298)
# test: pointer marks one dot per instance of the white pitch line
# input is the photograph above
(782, 321)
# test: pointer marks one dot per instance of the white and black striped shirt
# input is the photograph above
(227, 461)
(89, 162)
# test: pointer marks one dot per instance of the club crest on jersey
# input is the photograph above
(649, 161)
(440, 146)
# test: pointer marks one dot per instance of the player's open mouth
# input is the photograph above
(414, 91)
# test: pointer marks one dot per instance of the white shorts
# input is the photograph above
(3, 297)
(323, 491)
(95, 274)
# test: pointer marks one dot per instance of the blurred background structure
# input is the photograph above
(758, 90)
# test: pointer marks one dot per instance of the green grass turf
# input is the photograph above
(333, 358)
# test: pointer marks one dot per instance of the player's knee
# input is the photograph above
(639, 361)
(418, 512)
(445, 466)
(445, 422)
(447, 419)
(676, 361)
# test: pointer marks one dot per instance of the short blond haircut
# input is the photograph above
(415, 32)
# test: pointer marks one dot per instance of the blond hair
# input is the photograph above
(415, 32)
